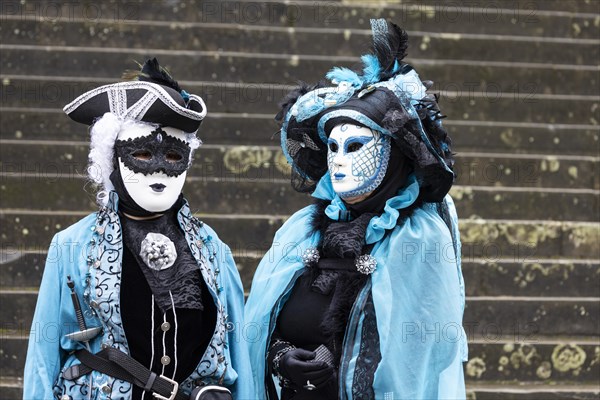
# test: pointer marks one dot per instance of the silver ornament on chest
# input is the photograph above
(365, 264)
(158, 251)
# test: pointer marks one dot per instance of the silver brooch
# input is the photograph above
(310, 256)
(365, 264)
(158, 251)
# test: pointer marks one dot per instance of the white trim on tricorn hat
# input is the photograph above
(141, 101)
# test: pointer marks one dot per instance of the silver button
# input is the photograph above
(165, 360)
(97, 264)
(105, 345)
(65, 397)
(165, 326)
(106, 389)
(94, 304)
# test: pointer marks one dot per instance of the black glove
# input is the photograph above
(296, 365)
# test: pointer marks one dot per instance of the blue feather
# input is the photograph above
(372, 68)
(341, 74)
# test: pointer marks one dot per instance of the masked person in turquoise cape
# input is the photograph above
(361, 295)
(145, 297)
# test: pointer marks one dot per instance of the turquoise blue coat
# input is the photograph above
(90, 251)
(416, 294)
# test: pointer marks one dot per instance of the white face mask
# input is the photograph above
(357, 159)
(156, 191)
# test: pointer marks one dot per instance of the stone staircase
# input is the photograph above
(519, 81)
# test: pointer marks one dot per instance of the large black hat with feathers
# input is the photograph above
(387, 96)
(151, 95)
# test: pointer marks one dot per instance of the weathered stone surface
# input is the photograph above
(489, 240)
(263, 99)
(21, 270)
(531, 277)
(224, 37)
(276, 197)
(11, 388)
(531, 318)
(490, 319)
(518, 139)
(494, 362)
(534, 281)
(527, 391)
(34, 232)
(37, 163)
(524, 204)
(522, 17)
(529, 240)
(13, 350)
(526, 360)
(253, 129)
(483, 277)
(206, 196)
(17, 309)
(549, 171)
(464, 77)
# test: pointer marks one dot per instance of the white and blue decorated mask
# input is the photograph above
(357, 159)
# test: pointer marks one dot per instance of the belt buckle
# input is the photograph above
(173, 392)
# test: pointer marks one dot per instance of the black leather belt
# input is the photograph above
(119, 365)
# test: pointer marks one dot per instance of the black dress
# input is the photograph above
(319, 304)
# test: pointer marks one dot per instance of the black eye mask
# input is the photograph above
(157, 152)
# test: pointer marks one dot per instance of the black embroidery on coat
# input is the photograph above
(369, 355)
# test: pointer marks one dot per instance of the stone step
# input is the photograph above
(259, 129)
(47, 161)
(530, 277)
(521, 81)
(489, 239)
(544, 7)
(265, 196)
(533, 362)
(561, 6)
(11, 387)
(533, 277)
(490, 318)
(564, 19)
(495, 361)
(528, 391)
(263, 99)
(261, 39)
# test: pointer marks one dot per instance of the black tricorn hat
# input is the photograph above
(154, 97)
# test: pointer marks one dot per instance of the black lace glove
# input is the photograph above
(297, 366)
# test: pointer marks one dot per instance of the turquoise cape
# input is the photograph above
(417, 293)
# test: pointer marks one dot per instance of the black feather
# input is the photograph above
(152, 72)
(389, 47)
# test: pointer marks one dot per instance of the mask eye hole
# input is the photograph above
(142, 155)
(333, 147)
(352, 147)
(173, 156)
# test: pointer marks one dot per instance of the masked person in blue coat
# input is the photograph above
(145, 296)
(361, 295)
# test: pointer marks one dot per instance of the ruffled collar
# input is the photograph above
(377, 226)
